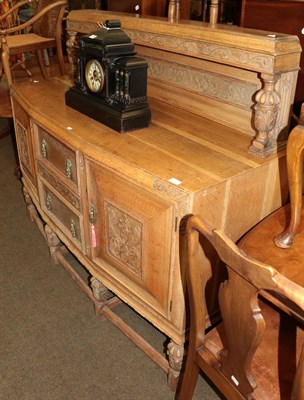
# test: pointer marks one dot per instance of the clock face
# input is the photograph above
(94, 75)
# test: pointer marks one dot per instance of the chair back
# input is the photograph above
(243, 328)
(47, 25)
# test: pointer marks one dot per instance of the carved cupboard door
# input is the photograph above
(24, 142)
(132, 234)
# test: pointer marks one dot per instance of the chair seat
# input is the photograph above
(258, 243)
(267, 359)
(28, 42)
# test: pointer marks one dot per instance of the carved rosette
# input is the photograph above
(124, 238)
(266, 113)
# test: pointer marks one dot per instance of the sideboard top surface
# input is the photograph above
(178, 145)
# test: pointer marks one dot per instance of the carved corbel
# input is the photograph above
(266, 112)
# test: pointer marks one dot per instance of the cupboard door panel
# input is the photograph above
(24, 142)
(132, 235)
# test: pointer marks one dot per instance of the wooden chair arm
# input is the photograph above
(14, 8)
(36, 17)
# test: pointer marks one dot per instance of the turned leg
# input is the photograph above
(53, 242)
(266, 113)
(101, 294)
(30, 208)
(175, 353)
(174, 10)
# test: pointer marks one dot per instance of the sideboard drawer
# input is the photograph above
(69, 222)
(46, 175)
(62, 157)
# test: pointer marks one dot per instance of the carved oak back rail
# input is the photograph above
(241, 78)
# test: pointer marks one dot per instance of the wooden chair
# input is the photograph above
(279, 239)
(256, 352)
(46, 33)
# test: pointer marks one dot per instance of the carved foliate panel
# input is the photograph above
(204, 49)
(220, 87)
(124, 238)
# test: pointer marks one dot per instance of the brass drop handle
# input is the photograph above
(93, 230)
(92, 213)
(73, 228)
(43, 148)
(68, 168)
(48, 201)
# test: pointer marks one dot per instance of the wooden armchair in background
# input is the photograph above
(46, 33)
(257, 351)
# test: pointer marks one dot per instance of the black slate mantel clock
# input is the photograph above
(111, 86)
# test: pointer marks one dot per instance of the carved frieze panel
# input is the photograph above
(217, 86)
(197, 48)
(204, 49)
(124, 238)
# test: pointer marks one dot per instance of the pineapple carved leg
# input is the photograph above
(102, 296)
(54, 244)
(175, 354)
(30, 208)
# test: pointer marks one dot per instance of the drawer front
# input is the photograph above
(65, 219)
(132, 237)
(60, 156)
(59, 186)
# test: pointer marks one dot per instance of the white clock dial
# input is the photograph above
(94, 75)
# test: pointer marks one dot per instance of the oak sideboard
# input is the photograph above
(118, 202)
